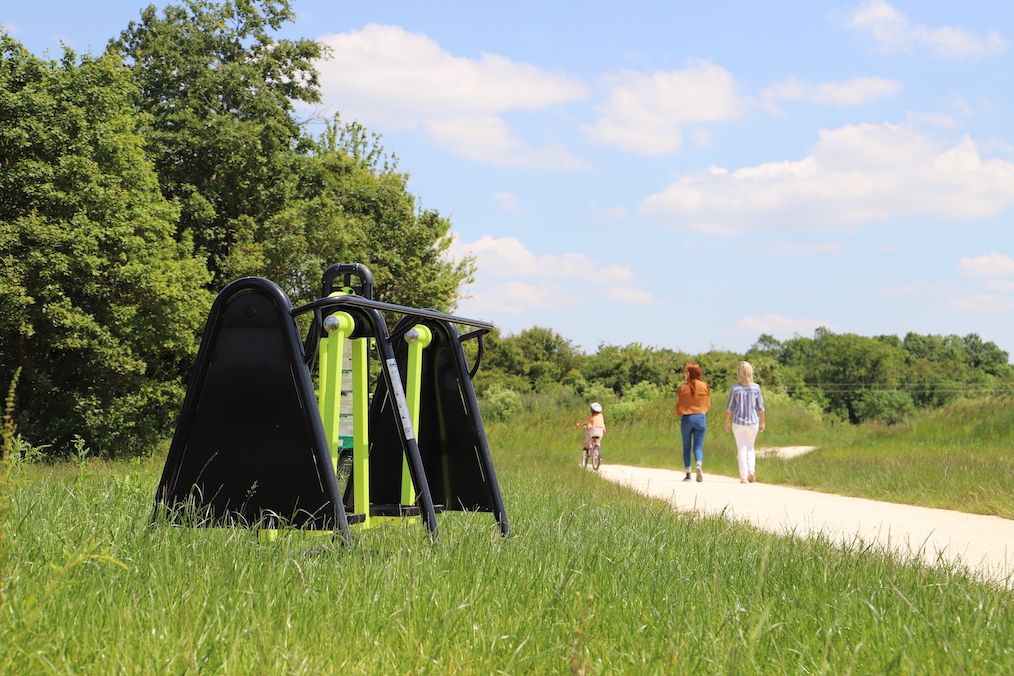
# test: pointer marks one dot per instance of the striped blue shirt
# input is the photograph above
(745, 403)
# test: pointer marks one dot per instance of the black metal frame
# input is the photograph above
(225, 339)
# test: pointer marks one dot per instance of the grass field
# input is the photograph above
(594, 580)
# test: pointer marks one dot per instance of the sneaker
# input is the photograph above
(700, 474)
(750, 477)
(687, 477)
(742, 481)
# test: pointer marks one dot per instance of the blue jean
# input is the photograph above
(693, 427)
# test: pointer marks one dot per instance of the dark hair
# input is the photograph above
(693, 373)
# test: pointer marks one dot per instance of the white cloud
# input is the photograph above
(934, 289)
(856, 173)
(776, 325)
(508, 257)
(630, 295)
(999, 285)
(990, 265)
(508, 202)
(960, 104)
(614, 214)
(852, 92)
(386, 76)
(890, 30)
(949, 297)
(390, 72)
(982, 302)
(934, 119)
(998, 146)
(518, 297)
(806, 248)
(645, 113)
(487, 138)
(701, 137)
(563, 280)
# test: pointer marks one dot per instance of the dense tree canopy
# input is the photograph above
(219, 92)
(258, 195)
(99, 305)
(886, 377)
(350, 176)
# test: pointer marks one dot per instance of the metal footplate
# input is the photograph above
(398, 510)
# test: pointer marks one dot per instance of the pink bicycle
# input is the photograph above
(592, 453)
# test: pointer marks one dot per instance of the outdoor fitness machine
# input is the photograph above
(256, 445)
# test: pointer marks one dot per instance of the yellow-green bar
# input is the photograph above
(418, 338)
(360, 431)
(332, 349)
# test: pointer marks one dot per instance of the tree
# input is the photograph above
(851, 369)
(938, 370)
(220, 91)
(719, 368)
(768, 345)
(532, 359)
(259, 195)
(986, 356)
(546, 356)
(382, 226)
(944, 350)
(503, 364)
(623, 368)
(99, 305)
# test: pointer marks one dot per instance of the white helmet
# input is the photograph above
(596, 407)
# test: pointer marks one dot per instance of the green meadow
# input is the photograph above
(594, 579)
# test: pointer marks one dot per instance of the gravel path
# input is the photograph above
(983, 544)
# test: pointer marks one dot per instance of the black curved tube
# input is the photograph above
(363, 302)
(478, 335)
(346, 270)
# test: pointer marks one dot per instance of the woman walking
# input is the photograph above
(746, 413)
(693, 399)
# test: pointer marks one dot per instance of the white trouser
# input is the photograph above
(745, 436)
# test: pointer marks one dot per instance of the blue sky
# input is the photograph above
(683, 175)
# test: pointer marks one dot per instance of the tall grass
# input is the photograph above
(958, 457)
(594, 580)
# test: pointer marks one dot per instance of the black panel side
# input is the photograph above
(249, 444)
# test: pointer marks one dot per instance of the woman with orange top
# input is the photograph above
(693, 399)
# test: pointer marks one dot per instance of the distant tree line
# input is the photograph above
(134, 184)
(854, 378)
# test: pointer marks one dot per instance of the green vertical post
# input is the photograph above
(418, 339)
(338, 327)
(360, 431)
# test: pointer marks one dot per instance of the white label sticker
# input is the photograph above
(399, 398)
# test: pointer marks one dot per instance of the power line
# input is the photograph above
(853, 387)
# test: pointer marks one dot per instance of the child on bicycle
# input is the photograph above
(596, 424)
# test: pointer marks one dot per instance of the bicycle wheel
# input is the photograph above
(584, 458)
(596, 456)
